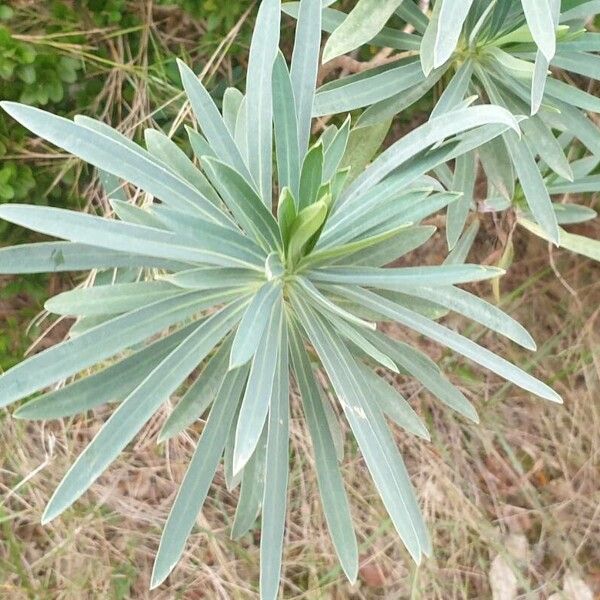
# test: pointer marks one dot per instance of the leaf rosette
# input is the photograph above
(210, 292)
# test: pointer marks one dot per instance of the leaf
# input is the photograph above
(324, 302)
(215, 278)
(211, 122)
(305, 64)
(394, 405)
(424, 370)
(369, 428)
(463, 246)
(259, 97)
(252, 490)
(196, 483)
(452, 16)
(583, 11)
(336, 151)
(163, 148)
(138, 407)
(452, 340)
(331, 485)
(252, 214)
(427, 50)
(137, 239)
(465, 175)
(341, 251)
(498, 167)
(311, 177)
(539, 18)
(101, 342)
(232, 101)
(259, 389)
(369, 87)
(56, 257)
(112, 384)
(572, 95)
(477, 309)
(135, 214)
(363, 143)
(110, 299)
(214, 240)
(403, 279)
(345, 330)
(575, 243)
(403, 242)
(307, 223)
(276, 475)
(365, 20)
(390, 107)
(286, 214)
(533, 185)
(255, 321)
(425, 136)
(199, 395)
(538, 85)
(286, 128)
(456, 90)
(112, 154)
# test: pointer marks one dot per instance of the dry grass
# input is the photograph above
(530, 469)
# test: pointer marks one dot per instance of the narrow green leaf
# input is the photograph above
(373, 436)
(255, 321)
(394, 405)
(110, 299)
(539, 18)
(403, 279)
(112, 384)
(214, 278)
(259, 97)
(252, 214)
(210, 121)
(305, 64)
(137, 239)
(276, 475)
(363, 143)
(200, 395)
(365, 20)
(452, 340)
(334, 153)
(106, 149)
(465, 175)
(251, 493)
(286, 128)
(56, 257)
(329, 479)
(311, 177)
(232, 101)
(364, 89)
(196, 483)
(452, 16)
(433, 132)
(307, 223)
(259, 390)
(138, 407)
(101, 342)
(166, 150)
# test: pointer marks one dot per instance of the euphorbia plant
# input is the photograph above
(479, 51)
(205, 275)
